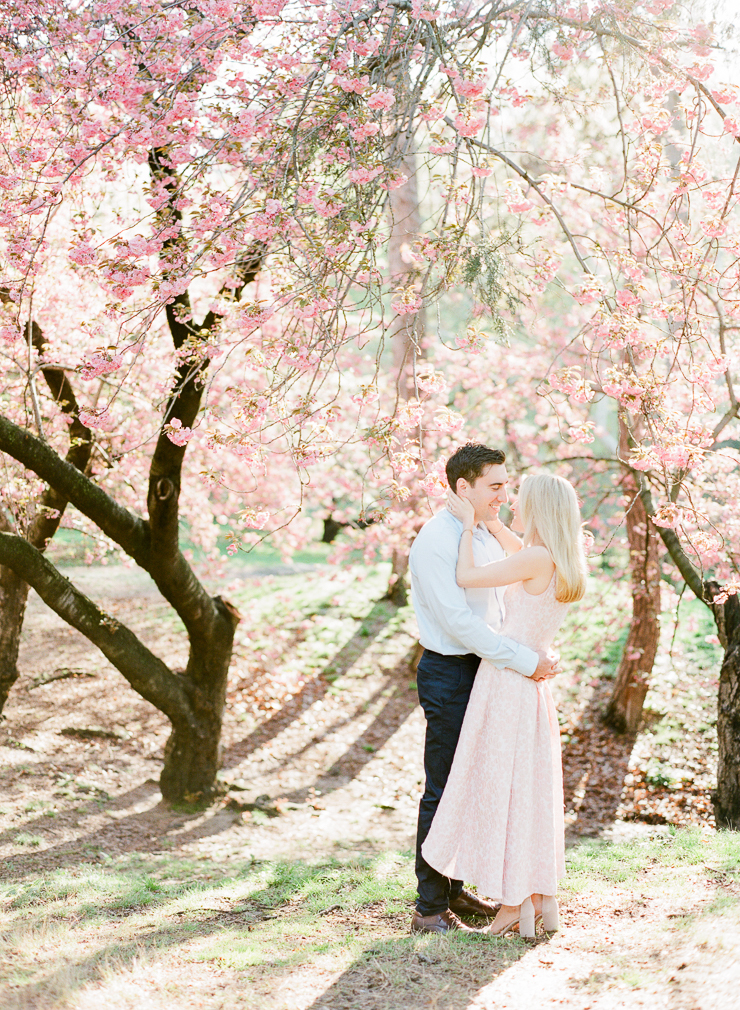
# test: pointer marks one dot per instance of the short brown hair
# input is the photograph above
(469, 462)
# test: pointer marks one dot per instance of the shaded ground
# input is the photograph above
(322, 759)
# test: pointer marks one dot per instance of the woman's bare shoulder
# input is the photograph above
(538, 554)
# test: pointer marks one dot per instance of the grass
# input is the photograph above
(70, 547)
(69, 934)
(25, 838)
(595, 863)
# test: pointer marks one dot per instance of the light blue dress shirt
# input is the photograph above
(455, 621)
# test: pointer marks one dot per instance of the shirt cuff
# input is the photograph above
(525, 661)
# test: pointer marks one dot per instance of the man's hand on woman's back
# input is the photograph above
(547, 667)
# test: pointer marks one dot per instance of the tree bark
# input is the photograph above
(727, 794)
(192, 753)
(13, 597)
(397, 591)
(50, 509)
(406, 332)
(726, 614)
(624, 711)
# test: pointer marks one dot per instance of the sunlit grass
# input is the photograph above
(69, 930)
(595, 861)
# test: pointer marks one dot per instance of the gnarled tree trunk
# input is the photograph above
(193, 700)
(13, 596)
(727, 795)
(624, 711)
(192, 753)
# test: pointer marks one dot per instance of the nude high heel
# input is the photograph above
(550, 913)
(526, 919)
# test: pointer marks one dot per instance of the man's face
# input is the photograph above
(488, 493)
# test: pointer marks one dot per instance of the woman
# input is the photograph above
(500, 821)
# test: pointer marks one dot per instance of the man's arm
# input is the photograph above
(434, 571)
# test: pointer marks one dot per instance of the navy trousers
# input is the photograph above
(444, 684)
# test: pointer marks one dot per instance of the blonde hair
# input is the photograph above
(548, 506)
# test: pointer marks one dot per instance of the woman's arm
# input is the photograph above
(508, 539)
(528, 563)
(525, 564)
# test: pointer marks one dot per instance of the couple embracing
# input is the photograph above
(488, 606)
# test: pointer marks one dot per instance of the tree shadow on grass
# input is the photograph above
(390, 970)
(415, 972)
(133, 833)
(355, 903)
(316, 688)
(400, 703)
(74, 973)
(595, 762)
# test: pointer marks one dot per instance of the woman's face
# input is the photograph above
(516, 523)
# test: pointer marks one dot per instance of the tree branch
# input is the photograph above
(126, 529)
(147, 674)
(689, 572)
(535, 186)
(174, 577)
(165, 470)
(45, 524)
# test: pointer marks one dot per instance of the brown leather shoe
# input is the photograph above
(470, 904)
(444, 923)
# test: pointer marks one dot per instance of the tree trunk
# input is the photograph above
(194, 700)
(13, 596)
(727, 795)
(397, 591)
(192, 755)
(406, 332)
(625, 706)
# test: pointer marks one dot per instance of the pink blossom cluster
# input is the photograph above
(668, 515)
(407, 301)
(515, 200)
(361, 176)
(434, 483)
(383, 99)
(176, 432)
(471, 120)
(571, 381)
(100, 363)
(93, 417)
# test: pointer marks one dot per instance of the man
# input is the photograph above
(457, 628)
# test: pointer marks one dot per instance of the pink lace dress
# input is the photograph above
(499, 824)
